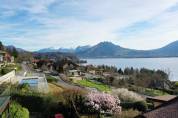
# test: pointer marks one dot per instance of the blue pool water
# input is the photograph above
(31, 82)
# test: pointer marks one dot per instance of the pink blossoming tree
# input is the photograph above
(103, 102)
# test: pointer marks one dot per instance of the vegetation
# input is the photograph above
(128, 114)
(51, 79)
(17, 111)
(139, 105)
(1, 46)
(127, 96)
(102, 102)
(10, 67)
(54, 89)
(147, 91)
(92, 84)
(146, 78)
(24, 56)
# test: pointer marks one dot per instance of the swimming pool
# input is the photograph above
(31, 81)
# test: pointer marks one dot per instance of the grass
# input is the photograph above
(153, 92)
(91, 84)
(51, 79)
(147, 91)
(128, 114)
(54, 89)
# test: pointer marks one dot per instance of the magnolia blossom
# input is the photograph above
(103, 102)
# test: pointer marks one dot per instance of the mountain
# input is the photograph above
(110, 50)
(65, 50)
(102, 50)
(11, 47)
(170, 50)
(47, 50)
(69, 50)
(82, 48)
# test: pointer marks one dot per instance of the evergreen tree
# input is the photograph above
(1, 46)
(14, 52)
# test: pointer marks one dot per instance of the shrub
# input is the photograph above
(72, 102)
(17, 111)
(140, 105)
(102, 102)
(127, 96)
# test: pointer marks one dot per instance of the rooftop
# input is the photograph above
(163, 98)
(166, 110)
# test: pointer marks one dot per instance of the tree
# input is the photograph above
(1, 46)
(120, 71)
(14, 52)
(102, 102)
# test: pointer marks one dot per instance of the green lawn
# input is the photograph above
(153, 92)
(91, 84)
(51, 79)
(147, 91)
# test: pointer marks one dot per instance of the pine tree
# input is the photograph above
(14, 52)
(1, 46)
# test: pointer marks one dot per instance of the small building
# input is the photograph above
(159, 100)
(166, 110)
(4, 106)
(96, 71)
(2, 55)
(74, 73)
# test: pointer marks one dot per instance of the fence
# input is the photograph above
(9, 77)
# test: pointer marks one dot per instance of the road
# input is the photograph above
(25, 69)
(65, 84)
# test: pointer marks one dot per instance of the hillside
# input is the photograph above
(110, 50)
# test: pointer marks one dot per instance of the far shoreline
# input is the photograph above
(126, 57)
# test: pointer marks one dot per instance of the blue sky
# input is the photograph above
(137, 24)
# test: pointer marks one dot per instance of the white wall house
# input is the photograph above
(74, 73)
(1, 58)
(2, 54)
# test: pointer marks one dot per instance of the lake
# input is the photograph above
(169, 65)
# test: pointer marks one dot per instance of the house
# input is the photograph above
(95, 71)
(65, 65)
(74, 73)
(44, 64)
(2, 55)
(4, 106)
(9, 58)
(6, 57)
(168, 109)
(159, 100)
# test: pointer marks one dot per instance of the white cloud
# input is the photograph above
(76, 22)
